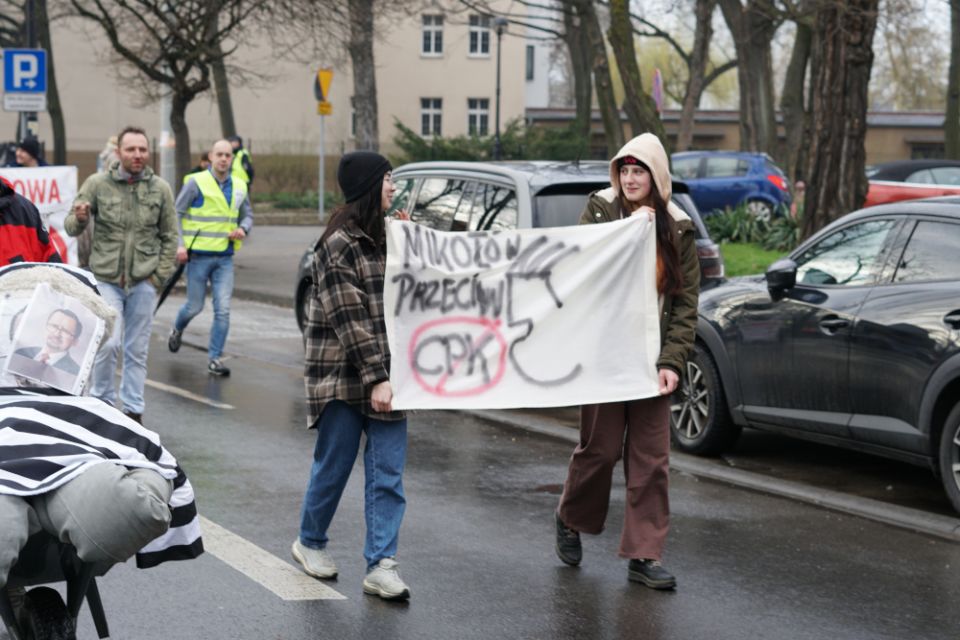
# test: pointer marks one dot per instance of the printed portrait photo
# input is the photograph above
(54, 340)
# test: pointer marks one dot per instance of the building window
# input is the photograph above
(478, 116)
(432, 35)
(530, 50)
(479, 35)
(430, 116)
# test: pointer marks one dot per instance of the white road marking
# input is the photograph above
(177, 391)
(264, 568)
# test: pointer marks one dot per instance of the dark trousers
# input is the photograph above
(639, 431)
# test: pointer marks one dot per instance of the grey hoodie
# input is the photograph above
(647, 149)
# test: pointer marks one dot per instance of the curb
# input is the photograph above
(276, 299)
(944, 527)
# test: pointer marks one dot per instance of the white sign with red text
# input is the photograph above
(522, 318)
(52, 190)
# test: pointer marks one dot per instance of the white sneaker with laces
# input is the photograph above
(384, 581)
(315, 562)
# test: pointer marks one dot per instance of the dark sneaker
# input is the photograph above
(217, 368)
(173, 342)
(136, 417)
(568, 543)
(650, 573)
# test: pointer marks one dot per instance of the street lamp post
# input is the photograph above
(500, 24)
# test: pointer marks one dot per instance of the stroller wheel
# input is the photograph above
(44, 616)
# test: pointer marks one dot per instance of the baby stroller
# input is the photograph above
(43, 614)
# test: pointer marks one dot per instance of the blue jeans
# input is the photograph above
(338, 439)
(218, 270)
(132, 330)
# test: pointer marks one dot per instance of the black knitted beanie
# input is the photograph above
(359, 171)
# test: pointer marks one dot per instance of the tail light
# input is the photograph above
(777, 181)
(713, 268)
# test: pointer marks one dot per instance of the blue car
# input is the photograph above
(722, 179)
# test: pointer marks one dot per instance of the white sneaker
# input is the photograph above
(315, 562)
(384, 581)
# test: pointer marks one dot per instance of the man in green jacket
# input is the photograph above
(133, 252)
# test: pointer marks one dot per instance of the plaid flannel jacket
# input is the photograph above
(346, 335)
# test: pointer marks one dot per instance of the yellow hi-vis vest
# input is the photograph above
(206, 228)
(237, 170)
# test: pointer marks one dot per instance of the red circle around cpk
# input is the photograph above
(491, 326)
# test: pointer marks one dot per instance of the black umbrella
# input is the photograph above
(175, 276)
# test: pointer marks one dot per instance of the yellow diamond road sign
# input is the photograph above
(321, 84)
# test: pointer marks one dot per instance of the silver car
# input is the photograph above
(472, 196)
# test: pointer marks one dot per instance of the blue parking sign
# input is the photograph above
(24, 79)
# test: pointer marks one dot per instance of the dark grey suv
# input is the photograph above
(471, 196)
(852, 340)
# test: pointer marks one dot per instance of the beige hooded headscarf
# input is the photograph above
(648, 149)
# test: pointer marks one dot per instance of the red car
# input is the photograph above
(912, 179)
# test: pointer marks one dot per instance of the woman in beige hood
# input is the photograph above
(636, 430)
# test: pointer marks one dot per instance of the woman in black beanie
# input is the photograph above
(347, 380)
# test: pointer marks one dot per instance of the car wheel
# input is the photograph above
(699, 420)
(304, 293)
(950, 456)
(760, 209)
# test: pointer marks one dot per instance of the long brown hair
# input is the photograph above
(669, 272)
(365, 213)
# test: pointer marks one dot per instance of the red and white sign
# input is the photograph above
(52, 190)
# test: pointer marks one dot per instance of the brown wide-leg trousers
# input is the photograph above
(639, 430)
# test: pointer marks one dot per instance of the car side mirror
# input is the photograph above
(781, 276)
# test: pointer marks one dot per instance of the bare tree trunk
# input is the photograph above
(951, 126)
(792, 103)
(753, 27)
(181, 135)
(578, 45)
(221, 85)
(837, 184)
(699, 57)
(364, 77)
(54, 107)
(640, 107)
(601, 76)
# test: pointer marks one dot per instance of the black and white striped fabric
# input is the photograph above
(47, 438)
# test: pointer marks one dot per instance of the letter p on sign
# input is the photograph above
(25, 71)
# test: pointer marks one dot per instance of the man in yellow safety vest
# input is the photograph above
(215, 216)
(242, 167)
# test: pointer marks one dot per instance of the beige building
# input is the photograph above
(436, 73)
(891, 135)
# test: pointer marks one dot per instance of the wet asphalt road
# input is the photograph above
(476, 544)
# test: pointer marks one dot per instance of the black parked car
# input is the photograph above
(470, 196)
(852, 340)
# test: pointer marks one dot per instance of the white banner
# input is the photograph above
(52, 190)
(529, 318)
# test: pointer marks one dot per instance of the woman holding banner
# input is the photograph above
(636, 430)
(347, 381)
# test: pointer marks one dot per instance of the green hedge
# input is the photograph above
(517, 142)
